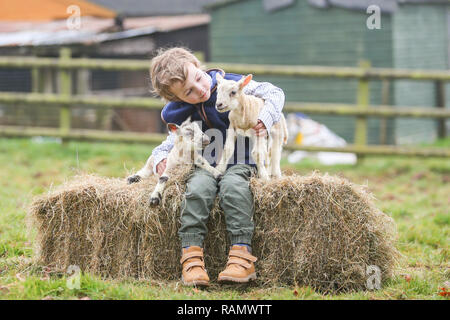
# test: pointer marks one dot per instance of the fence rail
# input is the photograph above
(279, 70)
(340, 109)
(129, 137)
(361, 110)
(81, 134)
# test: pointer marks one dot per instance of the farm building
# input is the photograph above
(117, 30)
(412, 34)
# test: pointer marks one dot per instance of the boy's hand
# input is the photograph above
(260, 129)
(161, 166)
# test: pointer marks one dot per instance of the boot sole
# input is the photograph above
(238, 280)
(202, 283)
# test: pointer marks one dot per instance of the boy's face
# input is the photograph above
(196, 88)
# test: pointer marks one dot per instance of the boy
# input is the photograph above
(178, 77)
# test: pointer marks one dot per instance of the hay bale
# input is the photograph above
(318, 230)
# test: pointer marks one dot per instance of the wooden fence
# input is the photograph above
(362, 110)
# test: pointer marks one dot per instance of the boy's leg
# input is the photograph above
(201, 190)
(236, 200)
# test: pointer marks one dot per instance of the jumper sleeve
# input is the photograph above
(273, 101)
(161, 151)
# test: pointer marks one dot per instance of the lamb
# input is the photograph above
(188, 141)
(244, 110)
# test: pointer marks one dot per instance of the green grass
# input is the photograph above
(414, 191)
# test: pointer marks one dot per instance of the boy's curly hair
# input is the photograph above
(169, 66)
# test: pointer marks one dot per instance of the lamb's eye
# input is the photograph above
(189, 132)
(232, 93)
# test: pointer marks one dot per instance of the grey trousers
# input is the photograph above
(235, 199)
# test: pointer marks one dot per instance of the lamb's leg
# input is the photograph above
(268, 160)
(276, 158)
(156, 196)
(275, 151)
(228, 150)
(202, 163)
(145, 172)
(259, 154)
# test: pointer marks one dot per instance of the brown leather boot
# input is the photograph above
(240, 267)
(194, 272)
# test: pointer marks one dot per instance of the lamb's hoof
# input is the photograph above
(133, 179)
(275, 175)
(154, 201)
(219, 177)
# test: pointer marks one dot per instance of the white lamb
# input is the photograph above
(188, 141)
(244, 111)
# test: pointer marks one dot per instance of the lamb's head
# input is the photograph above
(229, 92)
(190, 134)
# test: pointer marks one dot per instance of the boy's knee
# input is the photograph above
(200, 185)
(238, 174)
(235, 183)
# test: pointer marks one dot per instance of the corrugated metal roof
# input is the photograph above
(47, 10)
(274, 5)
(361, 5)
(425, 1)
(220, 3)
(93, 30)
(155, 7)
(385, 5)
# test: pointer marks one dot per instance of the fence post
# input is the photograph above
(41, 80)
(440, 103)
(362, 100)
(36, 82)
(37, 86)
(385, 96)
(65, 90)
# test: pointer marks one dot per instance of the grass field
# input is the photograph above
(414, 191)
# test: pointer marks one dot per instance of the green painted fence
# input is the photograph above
(362, 110)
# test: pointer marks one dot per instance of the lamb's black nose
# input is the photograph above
(219, 105)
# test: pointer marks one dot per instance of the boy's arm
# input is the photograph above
(161, 151)
(273, 101)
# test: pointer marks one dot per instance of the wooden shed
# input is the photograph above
(109, 29)
(413, 34)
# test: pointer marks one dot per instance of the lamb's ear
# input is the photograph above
(219, 77)
(172, 127)
(245, 81)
